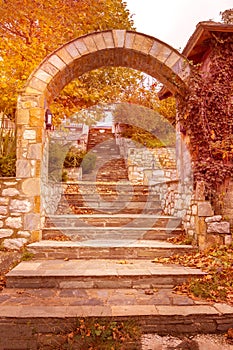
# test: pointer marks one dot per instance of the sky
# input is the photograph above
(174, 21)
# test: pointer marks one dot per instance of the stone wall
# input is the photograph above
(17, 218)
(168, 173)
(148, 166)
(198, 219)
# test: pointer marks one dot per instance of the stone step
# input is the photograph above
(33, 318)
(113, 220)
(73, 209)
(112, 198)
(99, 273)
(107, 249)
(109, 233)
(95, 204)
(104, 187)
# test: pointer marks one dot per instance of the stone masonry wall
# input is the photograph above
(172, 181)
(148, 166)
(17, 220)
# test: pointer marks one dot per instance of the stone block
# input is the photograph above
(32, 221)
(172, 60)
(57, 62)
(10, 192)
(147, 45)
(99, 41)
(31, 91)
(29, 134)
(10, 183)
(23, 168)
(37, 84)
(42, 75)
(80, 45)
(64, 55)
(34, 121)
(49, 68)
(218, 227)
(37, 204)
(201, 226)
(160, 51)
(185, 72)
(129, 39)
(138, 42)
(72, 50)
(6, 233)
(108, 38)
(201, 241)
(14, 222)
(27, 104)
(213, 218)
(3, 210)
(194, 209)
(24, 234)
(23, 116)
(31, 187)
(90, 43)
(36, 235)
(200, 191)
(119, 37)
(20, 206)
(34, 151)
(204, 209)
(14, 243)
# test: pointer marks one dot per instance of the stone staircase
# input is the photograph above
(96, 260)
(110, 166)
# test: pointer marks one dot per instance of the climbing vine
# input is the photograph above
(206, 116)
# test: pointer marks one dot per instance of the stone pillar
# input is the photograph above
(204, 210)
(30, 143)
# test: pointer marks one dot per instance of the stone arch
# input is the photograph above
(109, 48)
(92, 51)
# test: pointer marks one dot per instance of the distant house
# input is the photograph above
(198, 49)
(72, 133)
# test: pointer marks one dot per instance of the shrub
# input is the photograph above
(8, 165)
(74, 158)
(103, 334)
(7, 153)
(62, 157)
(88, 163)
(147, 138)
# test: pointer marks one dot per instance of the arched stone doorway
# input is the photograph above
(108, 48)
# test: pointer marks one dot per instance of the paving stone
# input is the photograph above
(134, 310)
(187, 310)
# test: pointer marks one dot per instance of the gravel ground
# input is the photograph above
(198, 342)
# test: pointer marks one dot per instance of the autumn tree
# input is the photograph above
(144, 125)
(145, 94)
(31, 29)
